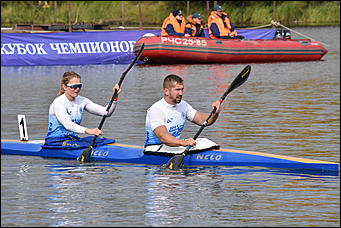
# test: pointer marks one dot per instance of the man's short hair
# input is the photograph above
(170, 79)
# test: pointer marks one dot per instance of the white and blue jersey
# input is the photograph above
(65, 116)
(173, 117)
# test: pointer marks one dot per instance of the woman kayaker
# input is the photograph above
(166, 118)
(66, 111)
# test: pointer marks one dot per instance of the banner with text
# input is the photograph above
(76, 48)
(79, 48)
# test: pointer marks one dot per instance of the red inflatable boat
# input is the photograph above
(173, 49)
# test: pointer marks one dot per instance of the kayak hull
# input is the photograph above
(178, 50)
(123, 153)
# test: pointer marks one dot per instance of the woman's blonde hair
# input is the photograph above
(67, 76)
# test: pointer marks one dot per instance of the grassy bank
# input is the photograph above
(152, 13)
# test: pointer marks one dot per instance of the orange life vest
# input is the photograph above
(191, 24)
(224, 30)
(173, 21)
(193, 27)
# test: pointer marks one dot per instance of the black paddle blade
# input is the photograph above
(176, 162)
(239, 80)
(85, 156)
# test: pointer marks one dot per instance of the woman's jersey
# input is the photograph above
(65, 116)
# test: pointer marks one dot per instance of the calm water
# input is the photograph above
(284, 108)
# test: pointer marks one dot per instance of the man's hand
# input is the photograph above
(189, 142)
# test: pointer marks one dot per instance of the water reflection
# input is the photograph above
(77, 191)
(173, 194)
(73, 191)
(170, 194)
(71, 194)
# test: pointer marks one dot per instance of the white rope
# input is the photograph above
(275, 23)
(262, 26)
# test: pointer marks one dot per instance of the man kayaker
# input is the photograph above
(219, 24)
(66, 111)
(194, 26)
(166, 118)
(174, 24)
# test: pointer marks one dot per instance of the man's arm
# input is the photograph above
(189, 31)
(170, 30)
(168, 139)
(200, 118)
(215, 30)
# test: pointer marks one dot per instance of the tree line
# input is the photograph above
(152, 13)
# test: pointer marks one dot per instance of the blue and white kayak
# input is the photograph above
(124, 153)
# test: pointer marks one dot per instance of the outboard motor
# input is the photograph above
(287, 34)
(282, 34)
(278, 34)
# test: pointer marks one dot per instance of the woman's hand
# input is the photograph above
(116, 88)
(93, 131)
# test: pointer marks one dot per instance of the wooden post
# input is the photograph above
(69, 16)
(55, 12)
(208, 7)
(187, 11)
(122, 12)
(140, 16)
(274, 9)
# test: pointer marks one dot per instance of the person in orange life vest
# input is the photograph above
(219, 24)
(194, 26)
(174, 24)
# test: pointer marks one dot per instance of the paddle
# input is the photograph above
(85, 156)
(176, 162)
